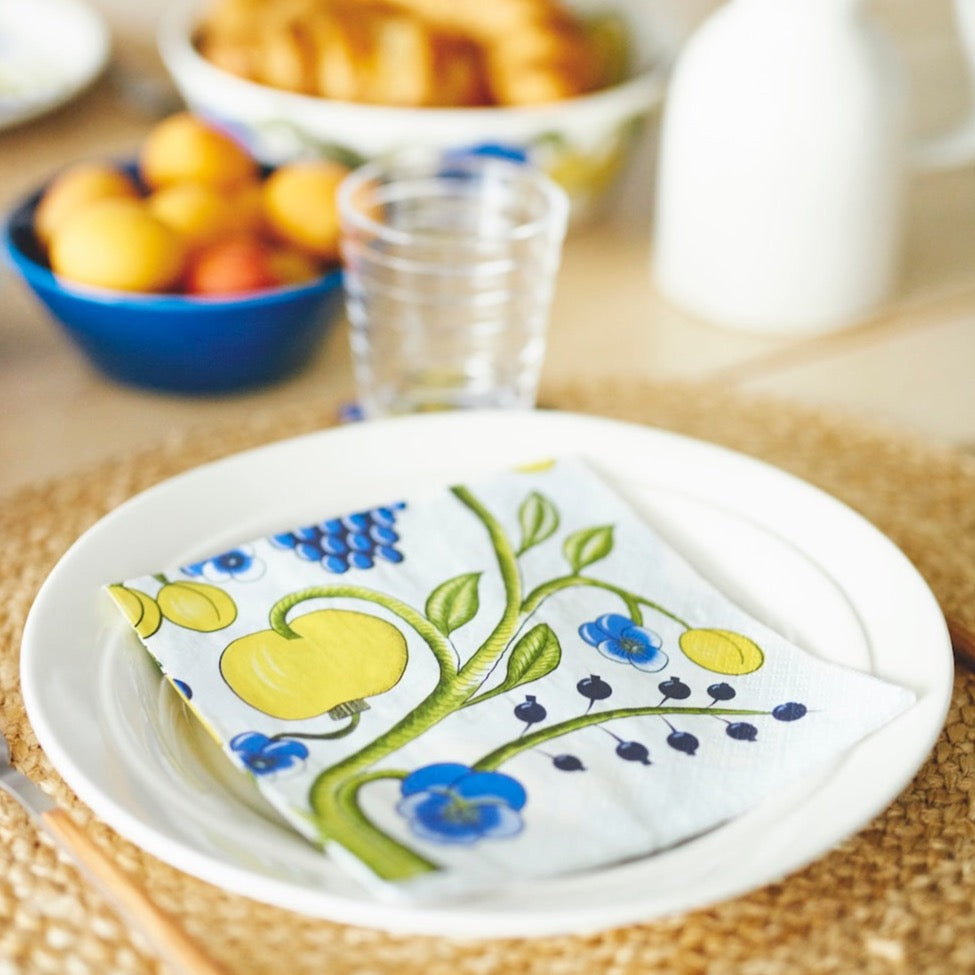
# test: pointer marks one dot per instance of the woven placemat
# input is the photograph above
(898, 897)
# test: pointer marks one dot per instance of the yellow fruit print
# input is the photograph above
(141, 610)
(722, 651)
(535, 467)
(196, 606)
(338, 657)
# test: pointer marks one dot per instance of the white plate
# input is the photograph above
(50, 51)
(788, 553)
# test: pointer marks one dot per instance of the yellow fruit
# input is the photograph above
(339, 656)
(534, 466)
(198, 212)
(300, 206)
(185, 148)
(722, 651)
(75, 187)
(196, 606)
(117, 244)
(291, 266)
(140, 609)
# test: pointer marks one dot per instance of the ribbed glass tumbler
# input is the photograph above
(450, 264)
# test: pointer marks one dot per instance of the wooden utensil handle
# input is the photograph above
(172, 943)
(963, 642)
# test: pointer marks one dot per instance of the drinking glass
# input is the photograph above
(450, 263)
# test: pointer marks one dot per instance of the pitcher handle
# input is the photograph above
(955, 147)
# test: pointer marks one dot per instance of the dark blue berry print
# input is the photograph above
(683, 741)
(741, 731)
(633, 751)
(568, 763)
(674, 688)
(791, 711)
(530, 711)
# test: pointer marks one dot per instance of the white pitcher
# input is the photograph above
(783, 157)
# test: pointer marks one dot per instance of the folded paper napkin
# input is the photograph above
(505, 680)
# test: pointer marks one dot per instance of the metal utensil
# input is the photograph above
(129, 899)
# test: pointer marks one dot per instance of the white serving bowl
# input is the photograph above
(582, 142)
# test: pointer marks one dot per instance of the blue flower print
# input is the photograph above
(493, 150)
(265, 756)
(619, 638)
(239, 563)
(451, 803)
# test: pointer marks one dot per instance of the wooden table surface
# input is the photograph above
(908, 367)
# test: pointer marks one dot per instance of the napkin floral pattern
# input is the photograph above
(507, 680)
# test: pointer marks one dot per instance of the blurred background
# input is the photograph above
(908, 366)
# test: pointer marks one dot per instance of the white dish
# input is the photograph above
(583, 142)
(50, 51)
(789, 554)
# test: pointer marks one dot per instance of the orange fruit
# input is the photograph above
(186, 148)
(292, 266)
(198, 212)
(247, 202)
(300, 207)
(233, 266)
(75, 187)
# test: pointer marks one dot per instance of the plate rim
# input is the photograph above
(91, 64)
(422, 920)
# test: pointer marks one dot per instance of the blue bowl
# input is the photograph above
(178, 343)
